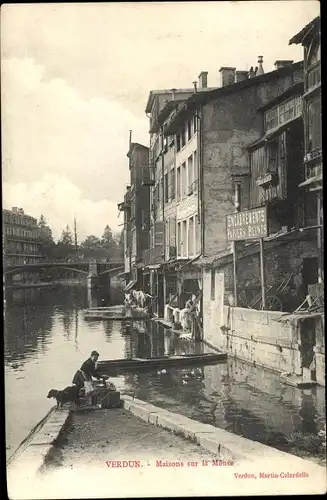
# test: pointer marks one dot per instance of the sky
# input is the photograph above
(75, 79)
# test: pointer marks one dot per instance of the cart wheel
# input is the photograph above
(273, 303)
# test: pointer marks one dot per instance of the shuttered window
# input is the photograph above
(172, 183)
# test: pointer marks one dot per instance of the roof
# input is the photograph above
(153, 93)
(135, 145)
(201, 98)
(301, 35)
(273, 132)
(297, 88)
(225, 256)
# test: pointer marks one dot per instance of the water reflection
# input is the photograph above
(46, 339)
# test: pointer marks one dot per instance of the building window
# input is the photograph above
(314, 135)
(213, 284)
(197, 237)
(314, 53)
(184, 180)
(189, 130)
(178, 142)
(194, 124)
(283, 113)
(179, 239)
(178, 184)
(191, 237)
(272, 156)
(190, 174)
(184, 239)
(183, 136)
(172, 183)
(166, 188)
(195, 170)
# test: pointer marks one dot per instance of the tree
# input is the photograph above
(66, 237)
(91, 241)
(91, 248)
(119, 237)
(108, 241)
(47, 243)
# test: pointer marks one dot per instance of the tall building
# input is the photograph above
(310, 39)
(203, 169)
(21, 237)
(166, 184)
(136, 208)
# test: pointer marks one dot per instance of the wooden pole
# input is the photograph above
(263, 275)
(235, 274)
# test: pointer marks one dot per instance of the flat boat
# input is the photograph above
(116, 366)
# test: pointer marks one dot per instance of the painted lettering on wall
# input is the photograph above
(247, 225)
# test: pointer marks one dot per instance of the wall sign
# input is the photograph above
(247, 225)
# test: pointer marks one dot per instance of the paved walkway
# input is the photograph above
(115, 454)
(98, 437)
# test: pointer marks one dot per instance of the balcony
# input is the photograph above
(313, 155)
(153, 256)
(147, 181)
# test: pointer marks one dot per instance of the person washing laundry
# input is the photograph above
(84, 376)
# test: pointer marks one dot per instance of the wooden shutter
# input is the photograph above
(159, 228)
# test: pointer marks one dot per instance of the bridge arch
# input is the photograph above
(30, 269)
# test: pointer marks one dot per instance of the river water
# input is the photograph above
(46, 339)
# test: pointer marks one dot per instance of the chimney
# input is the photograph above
(172, 94)
(195, 87)
(251, 73)
(15, 210)
(240, 76)
(282, 63)
(20, 211)
(260, 70)
(227, 75)
(203, 79)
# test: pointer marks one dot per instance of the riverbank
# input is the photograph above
(142, 450)
(42, 284)
(22, 286)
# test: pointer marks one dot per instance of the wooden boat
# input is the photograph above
(120, 313)
(116, 366)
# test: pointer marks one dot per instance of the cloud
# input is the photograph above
(75, 79)
(60, 201)
(49, 127)
(72, 148)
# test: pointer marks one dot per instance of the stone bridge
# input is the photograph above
(92, 270)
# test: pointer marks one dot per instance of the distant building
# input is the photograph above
(21, 237)
(136, 208)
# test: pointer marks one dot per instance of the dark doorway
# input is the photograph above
(309, 272)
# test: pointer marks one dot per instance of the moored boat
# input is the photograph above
(116, 366)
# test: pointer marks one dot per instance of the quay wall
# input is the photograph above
(271, 339)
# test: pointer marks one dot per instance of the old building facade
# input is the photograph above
(136, 208)
(250, 144)
(21, 237)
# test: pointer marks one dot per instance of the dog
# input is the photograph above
(68, 395)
